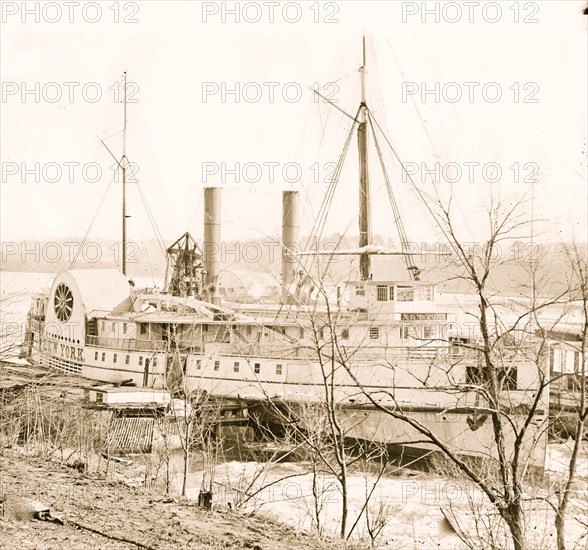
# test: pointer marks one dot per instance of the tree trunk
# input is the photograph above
(560, 524)
(185, 474)
(344, 505)
(513, 515)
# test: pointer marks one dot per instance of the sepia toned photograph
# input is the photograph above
(281, 275)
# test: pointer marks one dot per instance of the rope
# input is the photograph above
(73, 262)
(393, 203)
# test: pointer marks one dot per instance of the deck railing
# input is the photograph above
(126, 343)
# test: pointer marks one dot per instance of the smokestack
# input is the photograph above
(290, 207)
(211, 244)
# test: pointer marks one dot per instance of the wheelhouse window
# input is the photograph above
(140, 360)
(155, 361)
(360, 290)
(104, 357)
(236, 366)
(216, 365)
(256, 368)
(95, 356)
(429, 332)
(382, 293)
(374, 333)
(391, 293)
(198, 363)
(424, 293)
(278, 369)
(124, 328)
(114, 357)
(405, 293)
(143, 328)
(127, 359)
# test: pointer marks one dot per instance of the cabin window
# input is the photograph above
(508, 378)
(457, 346)
(374, 333)
(155, 361)
(301, 333)
(143, 328)
(321, 333)
(382, 295)
(555, 360)
(216, 365)
(278, 369)
(249, 330)
(574, 383)
(124, 328)
(474, 375)
(405, 293)
(127, 359)
(391, 293)
(236, 366)
(198, 363)
(360, 290)
(429, 332)
(140, 360)
(104, 357)
(345, 333)
(102, 326)
(410, 330)
(95, 356)
(256, 368)
(114, 357)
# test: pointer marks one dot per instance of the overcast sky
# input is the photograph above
(185, 131)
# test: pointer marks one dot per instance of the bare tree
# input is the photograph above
(503, 343)
(576, 262)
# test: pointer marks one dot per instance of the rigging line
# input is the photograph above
(413, 100)
(451, 242)
(340, 78)
(335, 180)
(418, 191)
(110, 136)
(393, 203)
(321, 219)
(73, 262)
(151, 218)
(414, 104)
(335, 106)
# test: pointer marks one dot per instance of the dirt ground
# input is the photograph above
(116, 512)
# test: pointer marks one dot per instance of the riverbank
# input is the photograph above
(115, 511)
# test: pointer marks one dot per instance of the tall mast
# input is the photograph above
(364, 184)
(124, 181)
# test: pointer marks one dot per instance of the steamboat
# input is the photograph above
(366, 344)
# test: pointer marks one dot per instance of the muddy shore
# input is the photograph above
(115, 512)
